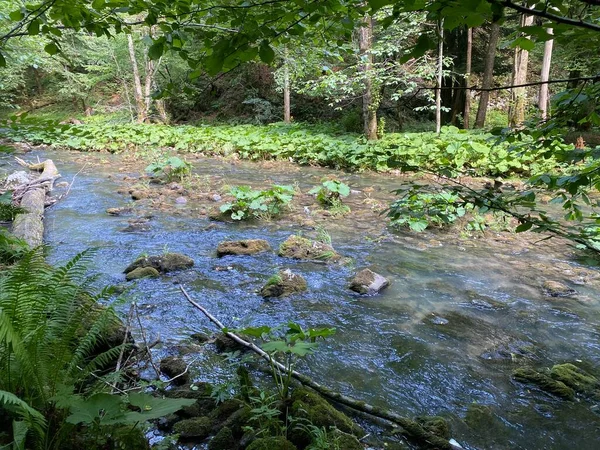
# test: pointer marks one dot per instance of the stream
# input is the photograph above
(458, 318)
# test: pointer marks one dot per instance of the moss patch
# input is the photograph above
(298, 247)
(283, 284)
(142, 272)
(544, 382)
(577, 379)
(169, 262)
(223, 440)
(196, 428)
(271, 443)
(244, 247)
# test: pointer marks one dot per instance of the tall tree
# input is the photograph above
(545, 76)
(138, 93)
(488, 75)
(287, 107)
(518, 101)
(467, 110)
(369, 103)
(440, 73)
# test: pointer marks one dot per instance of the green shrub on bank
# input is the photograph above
(453, 150)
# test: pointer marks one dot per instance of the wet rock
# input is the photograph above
(557, 289)
(142, 272)
(298, 247)
(119, 211)
(271, 443)
(435, 425)
(283, 284)
(224, 411)
(341, 440)
(223, 440)
(197, 428)
(173, 367)
(576, 378)
(544, 382)
(200, 338)
(61, 184)
(225, 344)
(214, 198)
(168, 262)
(244, 247)
(510, 351)
(181, 200)
(368, 282)
(199, 391)
(139, 195)
(437, 320)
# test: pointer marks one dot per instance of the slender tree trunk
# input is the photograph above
(545, 76)
(467, 78)
(440, 70)
(369, 107)
(149, 64)
(138, 93)
(287, 110)
(488, 75)
(516, 113)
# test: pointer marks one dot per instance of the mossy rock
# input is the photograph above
(243, 247)
(223, 440)
(271, 443)
(224, 410)
(298, 247)
(345, 441)
(173, 367)
(574, 377)
(197, 428)
(544, 382)
(367, 282)
(169, 262)
(283, 284)
(225, 344)
(204, 405)
(142, 272)
(435, 425)
(238, 420)
(312, 406)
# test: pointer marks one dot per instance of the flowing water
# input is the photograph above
(446, 334)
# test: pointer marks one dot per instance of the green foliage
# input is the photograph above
(418, 210)
(250, 204)
(11, 248)
(7, 210)
(265, 416)
(331, 192)
(171, 168)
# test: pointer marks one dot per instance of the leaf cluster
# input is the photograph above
(250, 204)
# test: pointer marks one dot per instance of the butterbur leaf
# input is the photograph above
(276, 346)
(256, 331)
(154, 407)
(100, 408)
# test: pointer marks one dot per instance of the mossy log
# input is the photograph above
(29, 225)
(413, 430)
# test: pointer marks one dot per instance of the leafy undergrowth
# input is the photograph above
(453, 150)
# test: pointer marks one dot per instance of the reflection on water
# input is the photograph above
(446, 334)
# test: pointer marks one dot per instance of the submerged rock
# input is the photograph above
(544, 382)
(119, 211)
(368, 282)
(168, 262)
(244, 247)
(196, 428)
(173, 367)
(298, 247)
(576, 378)
(557, 289)
(435, 425)
(283, 284)
(142, 272)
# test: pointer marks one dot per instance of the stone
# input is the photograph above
(197, 428)
(215, 198)
(200, 338)
(168, 262)
(223, 440)
(16, 179)
(283, 284)
(225, 344)
(557, 289)
(244, 247)
(173, 367)
(118, 211)
(367, 282)
(139, 195)
(576, 378)
(142, 272)
(271, 443)
(181, 200)
(544, 382)
(435, 425)
(298, 247)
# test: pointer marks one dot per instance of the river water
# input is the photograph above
(445, 335)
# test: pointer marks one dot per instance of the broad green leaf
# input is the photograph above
(266, 53)
(52, 49)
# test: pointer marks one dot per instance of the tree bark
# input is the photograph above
(287, 110)
(440, 72)
(488, 75)
(369, 105)
(138, 93)
(467, 110)
(516, 113)
(545, 76)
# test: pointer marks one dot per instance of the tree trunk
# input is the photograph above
(287, 110)
(516, 113)
(467, 110)
(488, 75)
(545, 76)
(140, 104)
(369, 106)
(440, 69)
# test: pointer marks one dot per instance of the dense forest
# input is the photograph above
(299, 224)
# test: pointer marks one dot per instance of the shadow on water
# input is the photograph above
(442, 339)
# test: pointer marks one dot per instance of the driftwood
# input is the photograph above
(412, 429)
(31, 196)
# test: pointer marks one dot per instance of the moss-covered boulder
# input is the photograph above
(244, 247)
(298, 247)
(142, 272)
(197, 428)
(557, 289)
(310, 405)
(271, 443)
(173, 367)
(201, 392)
(168, 262)
(284, 283)
(341, 440)
(224, 410)
(223, 440)
(435, 425)
(238, 420)
(543, 381)
(574, 377)
(367, 282)
(225, 344)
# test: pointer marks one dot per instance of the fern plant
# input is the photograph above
(52, 335)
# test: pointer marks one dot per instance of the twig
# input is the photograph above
(170, 380)
(412, 428)
(146, 342)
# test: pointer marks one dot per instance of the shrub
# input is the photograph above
(250, 204)
(172, 168)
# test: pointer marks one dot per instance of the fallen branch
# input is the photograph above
(412, 429)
